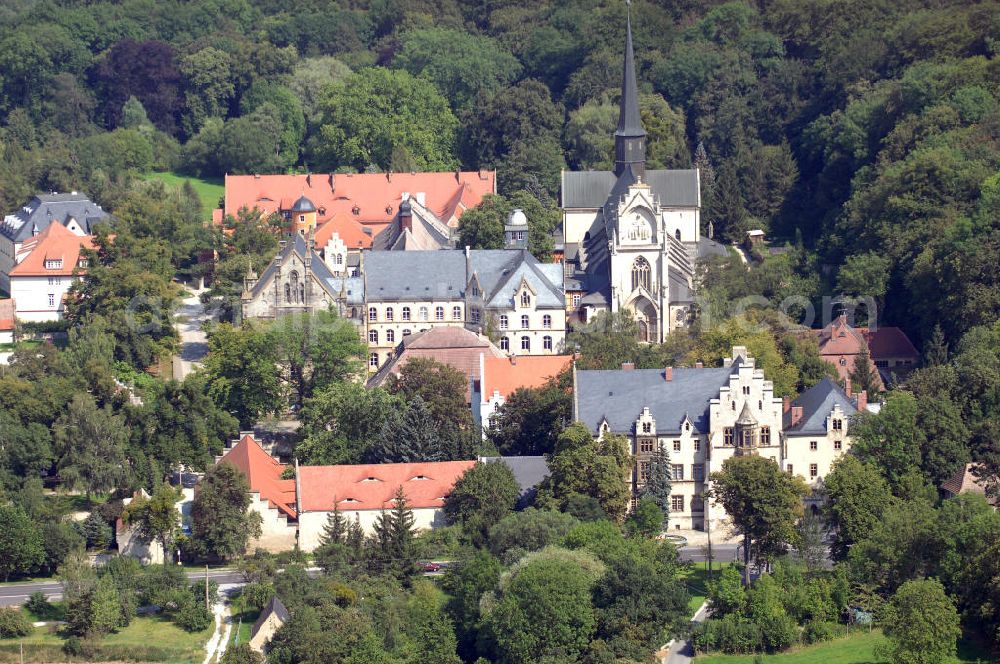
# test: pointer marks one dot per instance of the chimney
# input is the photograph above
(628, 366)
(405, 217)
(513, 360)
(786, 404)
(862, 401)
(847, 386)
(668, 374)
(699, 365)
(796, 415)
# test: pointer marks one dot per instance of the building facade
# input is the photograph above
(631, 235)
(702, 416)
(505, 292)
(47, 266)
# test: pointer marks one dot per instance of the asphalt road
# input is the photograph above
(12, 594)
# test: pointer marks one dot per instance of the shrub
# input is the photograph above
(257, 595)
(13, 623)
(193, 617)
(38, 604)
(819, 630)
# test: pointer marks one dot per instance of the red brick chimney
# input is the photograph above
(796, 415)
(862, 400)
(628, 366)
(847, 386)
(786, 404)
(668, 374)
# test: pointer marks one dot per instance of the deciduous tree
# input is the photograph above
(921, 624)
(221, 521)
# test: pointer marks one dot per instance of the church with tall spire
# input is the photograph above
(632, 236)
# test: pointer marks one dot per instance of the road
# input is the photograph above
(194, 343)
(16, 593)
(12, 594)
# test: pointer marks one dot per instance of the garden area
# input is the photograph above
(209, 190)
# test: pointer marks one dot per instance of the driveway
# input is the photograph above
(682, 651)
(194, 344)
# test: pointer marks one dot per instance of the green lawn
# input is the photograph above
(859, 648)
(146, 639)
(243, 619)
(210, 190)
(696, 579)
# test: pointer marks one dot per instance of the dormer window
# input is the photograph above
(525, 299)
(83, 262)
(350, 500)
(371, 479)
(838, 424)
(419, 477)
(53, 263)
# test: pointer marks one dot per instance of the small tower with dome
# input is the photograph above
(515, 231)
(303, 216)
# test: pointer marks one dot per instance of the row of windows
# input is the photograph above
(697, 503)
(814, 445)
(525, 322)
(526, 343)
(423, 313)
(390, 335)
(676, 471)
(729, 437)
(649, 444)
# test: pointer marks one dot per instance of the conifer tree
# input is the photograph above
(863, 377)
(414, 437)
(336, 526)
(658, 484)
(391, 546)
(936, 353)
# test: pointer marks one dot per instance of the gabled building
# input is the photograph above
(499, 377)
(299, 280)
(504, 290)
(632, 236)
(415, 228)
(371, 199)
(456, 347)
(47, 265)
(890, 350)
(75, 212)
(702, 416)
(272, 618)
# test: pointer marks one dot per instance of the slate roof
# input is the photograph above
(619, 396)
(629, 122)
(426, 231)
(590, 189)
(43, 209)
(400, 276)
(529, 471)
(320, 271)
(817, 402)
(275, 607)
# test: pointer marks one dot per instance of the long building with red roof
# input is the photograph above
(296, 510)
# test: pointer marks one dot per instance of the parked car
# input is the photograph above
(429, 566)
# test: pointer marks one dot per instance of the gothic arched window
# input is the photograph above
(293, 290)
(640, 273)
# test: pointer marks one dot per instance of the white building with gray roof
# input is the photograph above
(632, 235)
(73, 210)
(505, 292)
(702, 416)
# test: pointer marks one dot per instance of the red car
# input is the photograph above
(430, 567)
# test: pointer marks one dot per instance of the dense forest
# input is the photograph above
(866, 131)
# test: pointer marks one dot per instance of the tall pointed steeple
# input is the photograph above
(630, 137)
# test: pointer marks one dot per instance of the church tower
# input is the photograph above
(630, 137)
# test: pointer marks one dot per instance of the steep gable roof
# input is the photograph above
(44, 209)
(297, 245)
(839, 338)
(817, 403)
(55, 243)
(889, 342)
(263, 474)
(276, 608)
(350, 231)
(373, 486)
(965, 481)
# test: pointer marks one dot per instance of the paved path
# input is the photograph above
(194, 343)
(682, 651)
(216, 645)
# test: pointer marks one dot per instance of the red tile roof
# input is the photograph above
(350, 231)
(375, 195)
(263, 473)
(504, 375)
(6, 315)
(964, 481)
(839, 338)
(372, 486)
(889, 342)
(56, 242)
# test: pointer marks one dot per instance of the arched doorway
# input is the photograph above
(647, 318)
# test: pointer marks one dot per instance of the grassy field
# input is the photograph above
(146, 639)
(859, 648)
(210, 190)
(243, 619)
(696, 578)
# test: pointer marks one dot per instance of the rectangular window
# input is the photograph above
(677, 446)
(524, 322)
(646, 445)
(504, 322)
(643, 471)
(697, 445)
(698, 472)
(837, 444)
(813, 471)
(576, 301)
(676, 503)
(547, 343)
(765, 436)
(439, 313)
(677, 471)
(790, 469)
(52, 299)
(727, 436)
(813, 445)
(456, 313)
